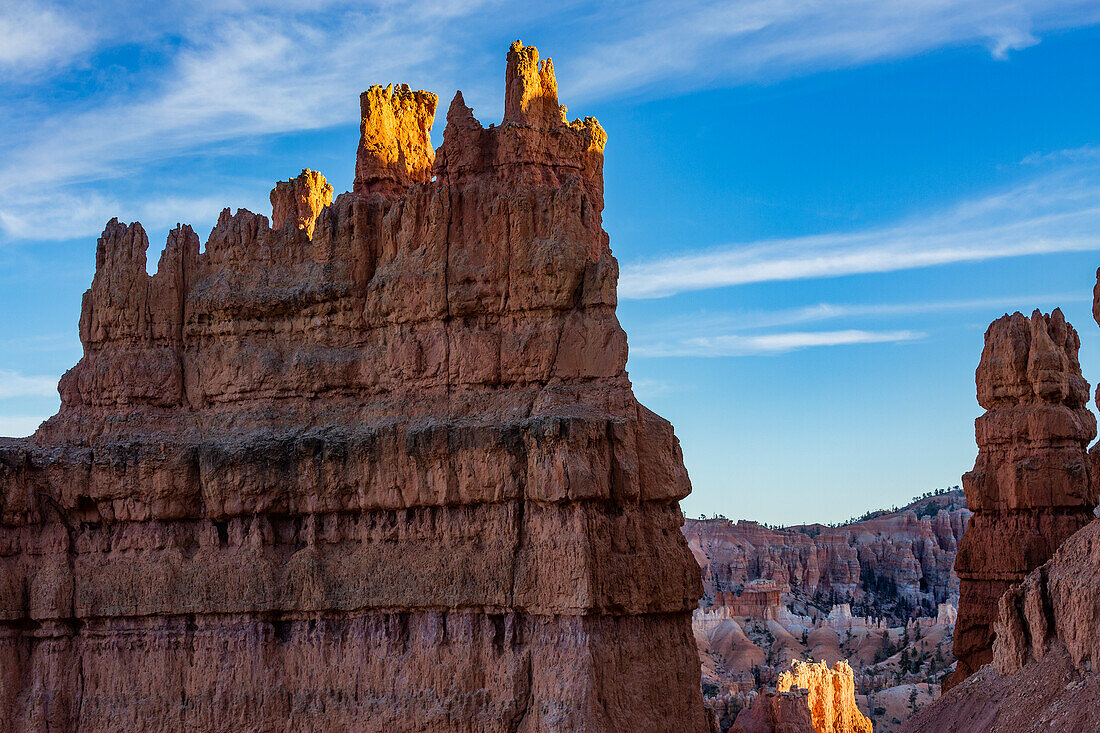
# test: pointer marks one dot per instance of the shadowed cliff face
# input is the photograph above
(1031, 486)
(377, 467)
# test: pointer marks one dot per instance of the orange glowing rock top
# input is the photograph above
(300, 200)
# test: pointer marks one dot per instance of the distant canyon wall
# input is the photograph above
(898, 555)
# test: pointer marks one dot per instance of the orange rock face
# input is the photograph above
(300, 201)
(389, 475)
(832, 696)
(395, 147)
(1031, 486)
(808, 697)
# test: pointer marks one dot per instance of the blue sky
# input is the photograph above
(818, 207)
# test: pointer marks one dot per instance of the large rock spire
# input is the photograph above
(378, 467)
(1031, 486)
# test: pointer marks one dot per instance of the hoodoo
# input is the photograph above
(379, 467)
(1031, 487)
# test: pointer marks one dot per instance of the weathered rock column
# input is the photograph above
(1031, 487)
(379, 467)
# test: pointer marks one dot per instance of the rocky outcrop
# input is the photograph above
(387, 474)
(1043, 676)
(395, 146)
(770, 712)
(808, 697)
(887, 563)
(831, 696)
(300, 201)
(1031, 487)
(759, 598)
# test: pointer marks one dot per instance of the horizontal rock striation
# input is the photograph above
(377, 467)
(1031, 487)
(892, 560)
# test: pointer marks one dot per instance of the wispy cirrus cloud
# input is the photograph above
(17, 384)
(39, 36)
(770, 343)
(201, 75)
(1056, 211)
(761, 40)
(735, 333)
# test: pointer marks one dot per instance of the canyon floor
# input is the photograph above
(877, 592)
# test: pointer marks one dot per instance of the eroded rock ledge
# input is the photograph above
(377, 467)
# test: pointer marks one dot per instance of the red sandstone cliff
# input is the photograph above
(1031, 487)
(891, 557)
(377, 467)
(1045, 656)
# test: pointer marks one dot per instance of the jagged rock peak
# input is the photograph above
(395, 145)
(389, 477)
(808, 698)
(831, 695)
(531, 91)
(1028, 360)
(300, 200)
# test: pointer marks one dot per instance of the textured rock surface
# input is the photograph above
(784, 712)
(1046, 654)
(300, 200)
(832, 697)
(1031, 487)
(824, 696)
(389, 476)
(907, 555)
(898, 645)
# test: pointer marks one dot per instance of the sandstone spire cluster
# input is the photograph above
(378, 467)
(808, 698)
(1031, 486)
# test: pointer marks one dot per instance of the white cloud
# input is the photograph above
(732, 333)
(772, 343)
(37, 35)
(223, 72)
(753, 40)
(16, 384)
(747, 321)
(81, 213)
(19, 426)
(1054, 212)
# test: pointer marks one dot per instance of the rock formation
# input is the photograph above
(807, 690)
(377, 468)
(776, 712)
(749, 628)
(1031, 487)
(893, 560)
(1043, 676)
(756, 599)
(300, 201)
(831, 696)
